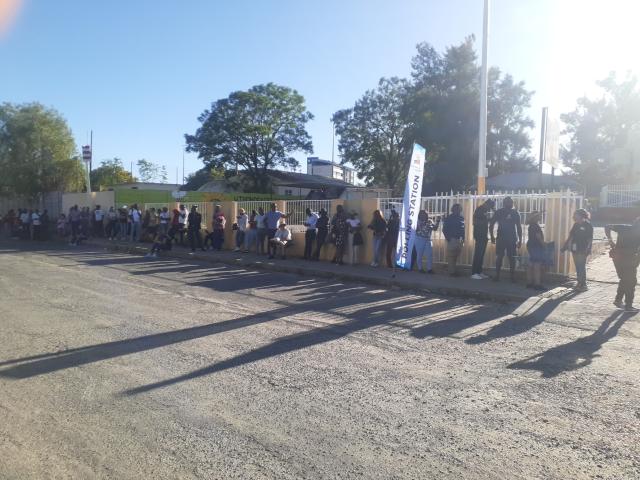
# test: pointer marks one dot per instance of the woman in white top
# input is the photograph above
(242, 224)
(355, 237)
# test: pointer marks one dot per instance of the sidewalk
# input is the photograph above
(440, 284)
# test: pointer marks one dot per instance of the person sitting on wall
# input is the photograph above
(161, 242)
(281, 240)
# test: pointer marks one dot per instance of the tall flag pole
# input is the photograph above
(410, 207)
(482, 143)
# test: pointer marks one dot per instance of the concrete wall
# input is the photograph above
(104, 199)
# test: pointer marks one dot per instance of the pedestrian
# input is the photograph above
(242, 223)
(35, 225)
(219, 224)
(261, 224)
(423, 244)
(44, 225)
(310, 233)
(624, 253)
(135, 217)
(391, 237)
(152, 223)
(281, 240)
(509, 238)
(322, 227)
(161, 242)
(123, 223)
(61, 226)
(579, 244)
(355, 238)
(182, 221)
(453, 230)
(481, 237)
(251, 236)
(537, 252)
(378, 226)
(98, 218)
(164, 220)
(194, 221)
(74, 221)
(112, 222)
(339, 234)
(273, 217)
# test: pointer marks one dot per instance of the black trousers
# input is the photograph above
(321, 237)
(309, 238)
(194, 238)
(627, 269)
(478, 255)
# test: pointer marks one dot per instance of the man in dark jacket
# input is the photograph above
(194, 222)
(453, 230)
(481, 237)
(624, 252)
(509, 236)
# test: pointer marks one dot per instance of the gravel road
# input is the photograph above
(116, 367)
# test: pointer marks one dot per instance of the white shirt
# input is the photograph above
(353, 222)
(35, 219)
(242, 222)
(284, 235)
(260, 221)
(135, 215)
(311, 221)
(24, 217)
(98, 215)
(182, 218)
(165, 217)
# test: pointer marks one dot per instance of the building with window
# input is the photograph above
(326, 168)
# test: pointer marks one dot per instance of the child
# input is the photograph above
(160, 242)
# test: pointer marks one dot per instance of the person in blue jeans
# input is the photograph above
(272, 219)
(422, 244)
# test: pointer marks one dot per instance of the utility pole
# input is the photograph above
(482, 143)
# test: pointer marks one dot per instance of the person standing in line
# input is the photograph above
(135, 217)
(182, 221)
(537, 253)
(44, 225)
(579, 244)
(481, 237)
(453, 230)
(273, 218)
(355, 238)
(194, 220)
(423, 244)
(98, 218)
(165, 220)
(509, 236)
(378, 226)
(242, 222)
(310, 233)
(251, 236)
(123, 223)
(322, 225)
(624, 253)
(219, 224)
(261, 224)
(74, 221)
(340, 234)
(391, 237)
(35, 225)
(112, 221)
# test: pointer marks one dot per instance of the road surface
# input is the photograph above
(116, 367)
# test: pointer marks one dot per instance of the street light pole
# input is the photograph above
(482, 143)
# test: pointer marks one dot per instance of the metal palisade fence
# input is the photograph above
(556, 209)
(297, 210)
(620, 196)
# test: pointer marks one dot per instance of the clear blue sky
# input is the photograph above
(139, 72)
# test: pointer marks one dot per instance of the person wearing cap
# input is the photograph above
(536, 250)
(281, 240)
(579, 244)
(625, 255)
(509, 238)
(481, 237)
(310, 233)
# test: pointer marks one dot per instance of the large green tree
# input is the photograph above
(257, 130)
(604, 135)
(37, 152)
(152, 172)
(375, 135)
(109, 173)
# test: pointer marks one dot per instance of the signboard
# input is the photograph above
(86, 153)
(178, 194)
(550, 140)
(410, 208)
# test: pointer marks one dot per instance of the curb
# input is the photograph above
(395, 284)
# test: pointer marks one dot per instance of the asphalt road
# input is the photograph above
(116, 367)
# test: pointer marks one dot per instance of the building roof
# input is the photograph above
(147, 186)
(531, 181)
(304, 180)
(319, 161)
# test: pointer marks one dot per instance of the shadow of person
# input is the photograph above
(518, 324)
(573, 355)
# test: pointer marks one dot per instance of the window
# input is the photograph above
(288, 193)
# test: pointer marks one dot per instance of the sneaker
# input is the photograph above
(484, 276)
(631, 309)
(477, 276)
(618, 303)
(580, 288)
(236, 249)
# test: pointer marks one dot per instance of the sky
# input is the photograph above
(139, 72)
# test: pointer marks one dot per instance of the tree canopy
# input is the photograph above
(37, 152)
(109, 173)
(257, 130)
(438, 108)
(604, 135)
(152, 172)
